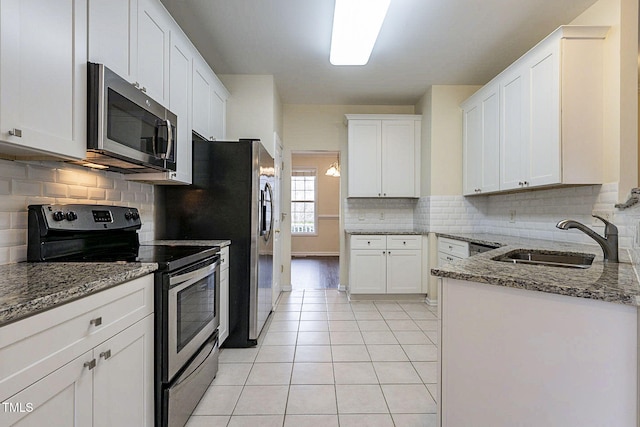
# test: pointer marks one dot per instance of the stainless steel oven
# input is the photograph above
(186, 337)
(193, 311)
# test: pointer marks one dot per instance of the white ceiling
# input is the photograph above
(422, 43)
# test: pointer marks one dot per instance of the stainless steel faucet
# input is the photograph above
(608, 243)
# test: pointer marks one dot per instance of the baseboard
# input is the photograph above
(312, 254)
(387, 297)
(431, 302)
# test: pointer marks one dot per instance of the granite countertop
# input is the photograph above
(612, 282)
(375, 232)
(29, 288)
(219, 243)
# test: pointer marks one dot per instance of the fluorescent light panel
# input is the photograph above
(356, 24)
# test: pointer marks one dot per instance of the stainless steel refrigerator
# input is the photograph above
(231, 198)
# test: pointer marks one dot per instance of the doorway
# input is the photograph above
(315, 219)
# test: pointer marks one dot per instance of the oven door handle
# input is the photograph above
(193, 276)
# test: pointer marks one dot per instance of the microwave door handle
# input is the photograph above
(169, 140)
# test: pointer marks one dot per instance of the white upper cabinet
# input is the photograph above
(180, 59)
(209, 101)
(113, 36)
(550, 121)
(140, 41)
(481, 137)
(154, 25)
(383, 155)
(43, 58)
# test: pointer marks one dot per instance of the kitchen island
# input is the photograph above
(533, 345)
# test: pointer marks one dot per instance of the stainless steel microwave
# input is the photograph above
(126, 130)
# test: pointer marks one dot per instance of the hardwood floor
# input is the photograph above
(315, 273)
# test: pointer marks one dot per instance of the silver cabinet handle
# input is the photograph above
(379, 194)
(385, 194)
(144, 89)
(404, 243)
(90, 364)
(526, 183)
(136, 85)
(96, 322)
(106, 354)
(212, 138)
(15, 132)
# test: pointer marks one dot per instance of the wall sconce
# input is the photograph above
(334, 170)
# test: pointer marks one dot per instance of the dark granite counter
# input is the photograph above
(28, 288)
(612, 282)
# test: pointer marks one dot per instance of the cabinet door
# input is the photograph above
(544, 126)
(365, 158)
(472, 148)
(515, 123)
(219, 97)
(180, 58)
(62, 398)
(224, 306)
(202, 110)
(153, 49)
(491, 140)
(43, 56)
(398, 158)
(404, 271)
(123, 378)
(113, 35)
(367, 272)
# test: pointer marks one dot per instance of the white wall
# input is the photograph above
(25, 183)
(253, 109)
(621, 82)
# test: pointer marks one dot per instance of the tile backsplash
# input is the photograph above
(25, 183)
(531, 214)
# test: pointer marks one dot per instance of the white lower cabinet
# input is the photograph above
(86, 363)
(451, 250)
(223, 329)
(385, 264)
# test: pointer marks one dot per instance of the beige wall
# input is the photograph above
(327, 240)
(621, 74)
(320, 127)
(442, 139)
(254, 109)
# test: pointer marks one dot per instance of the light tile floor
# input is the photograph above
(324, 361)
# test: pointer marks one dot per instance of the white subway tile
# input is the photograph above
(53, 189)
(26, 188)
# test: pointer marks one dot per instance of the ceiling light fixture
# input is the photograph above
(356, 24)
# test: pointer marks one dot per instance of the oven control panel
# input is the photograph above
(77, 217)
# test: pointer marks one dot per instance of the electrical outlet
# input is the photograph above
(382, 216)
(512, 216)
(596, 222)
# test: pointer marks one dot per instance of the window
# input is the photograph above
(303, 201)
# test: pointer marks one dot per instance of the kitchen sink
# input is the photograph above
(547, 258)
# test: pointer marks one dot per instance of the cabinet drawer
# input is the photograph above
(445, 259)
(224, 258)
(453, 247)
(33, 347)
(369, 242)
(404, 242)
